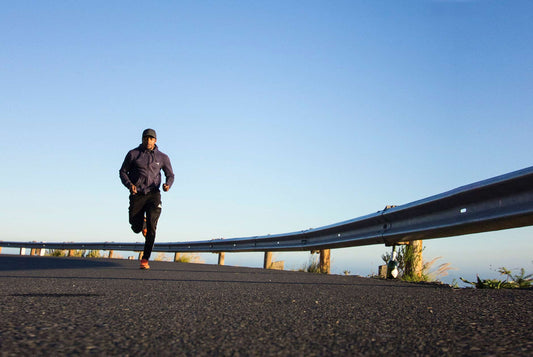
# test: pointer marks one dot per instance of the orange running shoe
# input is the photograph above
(144, 264)
(145, 230)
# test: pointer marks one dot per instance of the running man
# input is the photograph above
(141, 174)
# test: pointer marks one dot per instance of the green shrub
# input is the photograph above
(406, 258)
(55, 253)
(512, 281)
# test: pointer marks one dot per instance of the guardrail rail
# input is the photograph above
(497, 203)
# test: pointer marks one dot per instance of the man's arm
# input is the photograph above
(169, 174)
(123, 173)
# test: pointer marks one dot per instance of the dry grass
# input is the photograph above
(189, 258)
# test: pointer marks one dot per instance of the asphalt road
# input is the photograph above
(72, 306)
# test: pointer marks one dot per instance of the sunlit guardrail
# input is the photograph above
(501, 202)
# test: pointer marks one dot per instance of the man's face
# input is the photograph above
(149, 142)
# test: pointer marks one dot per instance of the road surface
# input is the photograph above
(75, 306)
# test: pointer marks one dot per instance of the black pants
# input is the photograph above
(150, 205)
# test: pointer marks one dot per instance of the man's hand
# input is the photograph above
(133, 189)
(166, 187)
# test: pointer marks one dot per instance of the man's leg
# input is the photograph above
(136, 212)
(153, 211)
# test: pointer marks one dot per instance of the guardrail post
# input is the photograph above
(22, 251)
(325, 259)
(221, 257)
(267, 262)
(110, 254)
(413, 267)
(176, 256)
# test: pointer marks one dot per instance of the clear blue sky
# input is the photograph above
(278, 116)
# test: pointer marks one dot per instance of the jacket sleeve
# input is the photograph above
(124, 170)
(167, 169)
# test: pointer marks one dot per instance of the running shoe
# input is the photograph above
(144, 264)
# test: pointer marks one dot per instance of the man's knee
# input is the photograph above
(136, 229)
(137, 223)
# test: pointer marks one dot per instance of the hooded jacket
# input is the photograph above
(142, 168)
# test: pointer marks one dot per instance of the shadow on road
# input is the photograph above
(11, 263)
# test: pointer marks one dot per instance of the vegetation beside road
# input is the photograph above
(512, 281)
(74, 253)
(406, 258)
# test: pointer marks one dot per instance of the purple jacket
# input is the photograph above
(142, 168)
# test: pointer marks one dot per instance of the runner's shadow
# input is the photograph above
(11, 263)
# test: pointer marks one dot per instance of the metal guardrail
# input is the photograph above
(501, 202)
